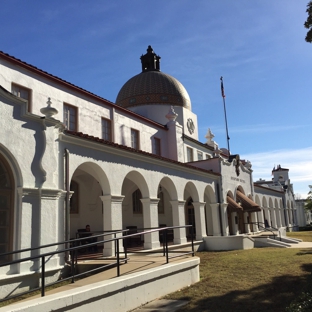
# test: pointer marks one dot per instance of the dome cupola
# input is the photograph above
(152, 87)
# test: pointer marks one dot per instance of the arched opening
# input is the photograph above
(166, 193)
(6, 208)
(209, 198)
(190, 196)
(190, 217)
(134, 189)
(86, 206)
(235, 215)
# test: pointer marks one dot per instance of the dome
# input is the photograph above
(152, 86)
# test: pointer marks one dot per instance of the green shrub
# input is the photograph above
(302, 304)
(305, 228)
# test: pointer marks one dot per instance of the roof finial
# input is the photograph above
(49, 111)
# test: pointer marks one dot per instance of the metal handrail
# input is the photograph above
(270, 229)
(73, 250)
(58, 243)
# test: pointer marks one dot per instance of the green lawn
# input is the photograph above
(260, 279)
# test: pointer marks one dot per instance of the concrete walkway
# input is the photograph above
(144, 270)
(137, 263)
(301, 245)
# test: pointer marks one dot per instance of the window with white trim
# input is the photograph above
(135, 140)
(189, 154)
(22, 92)
(70, 117)
(106, 129)
(199, 155)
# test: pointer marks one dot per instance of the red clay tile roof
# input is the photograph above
(132, 150)
(45, 74)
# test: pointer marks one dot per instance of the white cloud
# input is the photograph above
(299, 163)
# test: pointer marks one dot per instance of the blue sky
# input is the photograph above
(257, 46)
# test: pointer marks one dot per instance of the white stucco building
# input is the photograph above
(136, 162)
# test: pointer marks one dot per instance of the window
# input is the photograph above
(161, 204)
(157, 146)
(199, 155)
(208, 156)
(106, 129)
(189, 152)
(23, 93)
(74, 200)
(136, 201)
(135, 139)
(70, 117)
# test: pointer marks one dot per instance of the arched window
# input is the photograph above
(136, 201)
(6, 208)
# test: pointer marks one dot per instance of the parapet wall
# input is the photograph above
(119, 294)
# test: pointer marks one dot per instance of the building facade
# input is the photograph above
(70, 158)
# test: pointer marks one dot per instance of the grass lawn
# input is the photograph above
(260, 279)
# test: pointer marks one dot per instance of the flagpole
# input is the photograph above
(226, 126)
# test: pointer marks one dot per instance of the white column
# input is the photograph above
(284, 216)
(288, 217)
(225, 226)
(234, 219)
(278, 217)
(199, 209)
(178, 218)
(30, 232)
(247, 226)
(112, 221)
(150, 220)
(274, 223)
(260, 219)
(215, 219)
(254, 220)
(267, 215)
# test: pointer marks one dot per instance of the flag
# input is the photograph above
(222, 89)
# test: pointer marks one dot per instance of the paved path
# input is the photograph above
(301, 245)
(162, 305)
(137, 263)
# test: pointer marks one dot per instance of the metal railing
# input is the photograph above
(261, 226)
(296, 227)
(76, 245)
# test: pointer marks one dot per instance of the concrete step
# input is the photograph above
(268, 242)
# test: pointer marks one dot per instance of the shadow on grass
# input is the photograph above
(274, 296)
(305, 252)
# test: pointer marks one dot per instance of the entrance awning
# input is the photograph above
(248, 204)
(233, 206)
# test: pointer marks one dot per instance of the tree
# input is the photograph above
(308, 23)
(308, 203)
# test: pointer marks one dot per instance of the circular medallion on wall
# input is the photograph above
(190, 126)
